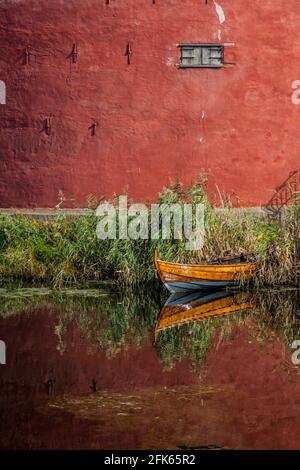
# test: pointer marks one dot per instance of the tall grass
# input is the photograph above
(66, 250)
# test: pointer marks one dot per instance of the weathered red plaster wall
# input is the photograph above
(156, 122)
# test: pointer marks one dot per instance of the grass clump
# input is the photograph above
(65, 250)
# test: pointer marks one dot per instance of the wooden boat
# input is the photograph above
(178, 277)
(180, 309)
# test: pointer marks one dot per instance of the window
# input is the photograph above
(201, 55)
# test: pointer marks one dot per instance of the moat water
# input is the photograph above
(100, 369)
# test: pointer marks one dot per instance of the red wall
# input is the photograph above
(150, 113)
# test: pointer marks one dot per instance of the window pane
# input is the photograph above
(199, 55)
(187, 55)
(212, 56)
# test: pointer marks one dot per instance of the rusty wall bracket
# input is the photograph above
(74, 53)
(27, 55)
(47, 126)
(128, 53)
(93, 127)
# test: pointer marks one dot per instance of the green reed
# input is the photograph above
(65, 250)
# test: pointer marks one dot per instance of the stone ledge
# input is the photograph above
(45, 213)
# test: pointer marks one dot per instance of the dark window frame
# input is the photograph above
(189, 46)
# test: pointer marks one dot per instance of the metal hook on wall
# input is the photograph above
(74, 53)
(93, 127)
(27, 55)
(47, 126)
(128, 53)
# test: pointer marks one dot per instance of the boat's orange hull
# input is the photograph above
(176, 276)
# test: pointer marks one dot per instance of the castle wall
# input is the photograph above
(153, 121)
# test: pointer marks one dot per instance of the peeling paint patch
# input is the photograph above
(218, 34)
(202, 115)
(94, 68)
(220, 12)
(170, 61)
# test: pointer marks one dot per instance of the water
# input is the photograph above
(99, 369)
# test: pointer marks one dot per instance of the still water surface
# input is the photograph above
(100, 369)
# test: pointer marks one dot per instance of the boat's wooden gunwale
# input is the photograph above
(207, 277)
(172, 274)
(207, 267)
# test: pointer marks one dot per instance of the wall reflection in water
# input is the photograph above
(96, 368)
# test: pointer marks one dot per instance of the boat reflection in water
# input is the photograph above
(184, 308)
